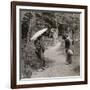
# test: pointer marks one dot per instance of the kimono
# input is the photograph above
(40, 50)
(67, 44)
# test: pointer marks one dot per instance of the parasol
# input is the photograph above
(39, 33)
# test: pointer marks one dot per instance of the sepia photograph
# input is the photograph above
(49, 44)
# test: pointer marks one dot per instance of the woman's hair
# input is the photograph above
(64, 37)
(35, 41)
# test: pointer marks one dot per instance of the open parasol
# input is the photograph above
(39, 33)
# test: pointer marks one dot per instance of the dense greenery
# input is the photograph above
(33, 21)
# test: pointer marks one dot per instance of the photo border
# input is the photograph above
(13, 44)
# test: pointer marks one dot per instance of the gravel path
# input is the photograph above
(56, 64)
